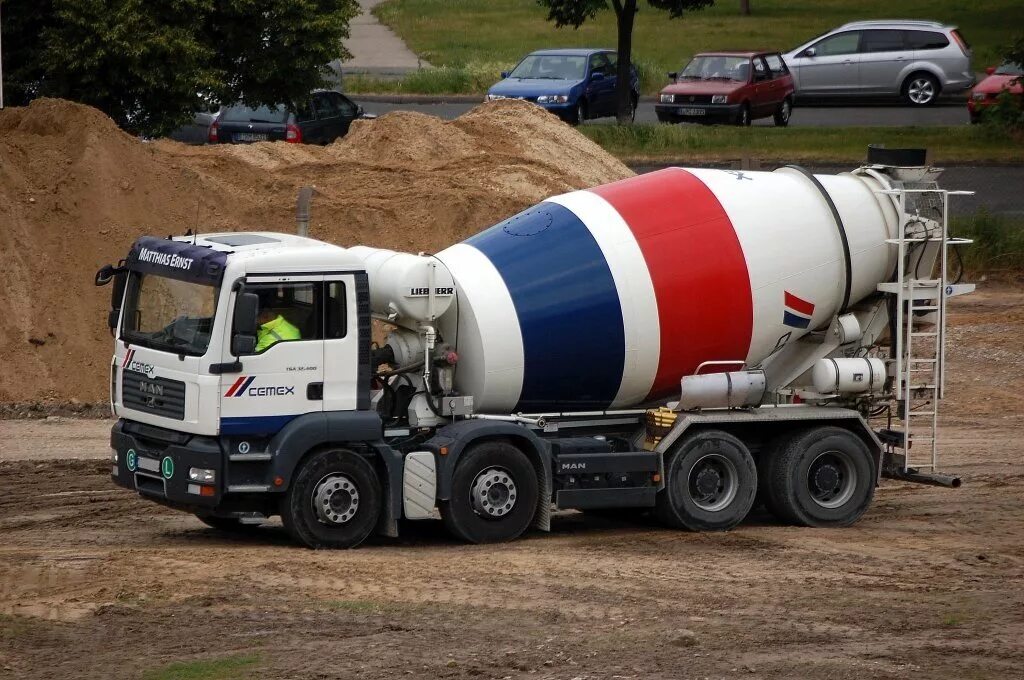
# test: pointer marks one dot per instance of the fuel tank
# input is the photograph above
(605, 298)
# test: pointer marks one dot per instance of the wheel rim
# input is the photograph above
(745, 116)
(493, 493)
(831, 479)
(921, 91)
(335, 499)
(579, 113)
(785, 110)
(713, 482)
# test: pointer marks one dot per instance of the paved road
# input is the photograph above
(881, 115)
(375, 48)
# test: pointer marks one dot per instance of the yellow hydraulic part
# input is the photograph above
(659, 422)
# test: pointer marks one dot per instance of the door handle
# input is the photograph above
(315, 391)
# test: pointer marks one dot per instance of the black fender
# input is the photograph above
(341, 428)
(457, 437)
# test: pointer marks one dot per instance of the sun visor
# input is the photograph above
(177, 260)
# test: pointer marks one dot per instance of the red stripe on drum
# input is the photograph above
(697, 267)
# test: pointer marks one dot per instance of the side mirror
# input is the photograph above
(596, 76)
(673, 75)
(359, 112)
(119, 277)
(990, 70)
(504, 74)
(243, 329)
(809, 52)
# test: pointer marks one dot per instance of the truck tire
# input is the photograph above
(334, 500)
(710, 483)
(494, 494)
(821, 477)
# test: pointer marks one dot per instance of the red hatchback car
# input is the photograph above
(729, 87)
(1009, 77)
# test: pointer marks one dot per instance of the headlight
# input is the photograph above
(666, 99)
(113, 455)
(495, 97)
(202, 475)
(719, 98)
(552, 99)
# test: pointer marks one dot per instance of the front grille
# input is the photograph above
(159, 396)
(691, 99)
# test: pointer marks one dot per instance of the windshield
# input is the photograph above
(261, 114)
(1010, 69)
(168, 314)
(551, 67)
(717, 68)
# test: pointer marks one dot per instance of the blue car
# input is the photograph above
(574, 84)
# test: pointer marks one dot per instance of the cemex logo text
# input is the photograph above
(130, 364)
(243, 387)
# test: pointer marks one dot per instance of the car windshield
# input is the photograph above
(1010, 69)
(551, 67)
(259, 114)
(168, 314)
(717, 67)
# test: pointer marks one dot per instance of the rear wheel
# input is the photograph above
(710, 483)
(784, 112)
(820, 477)
(334, 500)
(494, 494)
(921, 89)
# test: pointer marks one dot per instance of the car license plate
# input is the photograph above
(250, 137)
(691, 112)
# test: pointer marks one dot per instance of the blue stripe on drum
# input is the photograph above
(794, 321)
(568, 308)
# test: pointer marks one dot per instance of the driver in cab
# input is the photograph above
(273, 329)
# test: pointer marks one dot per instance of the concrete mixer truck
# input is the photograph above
(690, 342)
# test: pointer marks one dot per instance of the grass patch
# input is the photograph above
(470, 79)
(998, 244)
(229, 668)
(689, 143)
(462, 33)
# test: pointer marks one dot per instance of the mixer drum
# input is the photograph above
(605, 298)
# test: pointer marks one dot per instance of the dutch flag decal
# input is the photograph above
(238, 389)
(798, 312)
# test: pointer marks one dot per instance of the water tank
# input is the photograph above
(605, 298)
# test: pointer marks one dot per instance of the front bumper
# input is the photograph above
(156, 462)
(696, 113)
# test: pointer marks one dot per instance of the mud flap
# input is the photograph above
(542, 518)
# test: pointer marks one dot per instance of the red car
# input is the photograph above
(729, 87)
(1009, 77)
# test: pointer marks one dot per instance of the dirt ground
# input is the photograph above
(95, 583)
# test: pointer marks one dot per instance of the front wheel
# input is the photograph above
(494, 494)
(783, 113)
(743, 116)
(334, 500)
(710, 483)
(580, 114)
(821, 477)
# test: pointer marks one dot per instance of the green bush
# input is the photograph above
(998, 242)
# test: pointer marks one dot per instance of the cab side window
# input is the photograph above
(599, 64)
(882, 41)
(761, 71)
(776, 65)
(344, 105)
(288, 312)
(324, 107)
(335, 311)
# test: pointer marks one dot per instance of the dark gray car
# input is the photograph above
(916, 60)
(326, 116)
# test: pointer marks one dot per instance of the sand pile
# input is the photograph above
(75, 191)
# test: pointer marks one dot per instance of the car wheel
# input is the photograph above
(581, 113)
(820, 477)
(334, 500)
(921, 89)
(710, 483)
(494, 494)
(784, 112)
(743, 117)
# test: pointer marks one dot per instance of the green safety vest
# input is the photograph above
(274, 331)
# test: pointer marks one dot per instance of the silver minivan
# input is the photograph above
(913, 59)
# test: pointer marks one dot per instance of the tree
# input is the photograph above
(745, 7)
(149, 64)
(575, 12)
